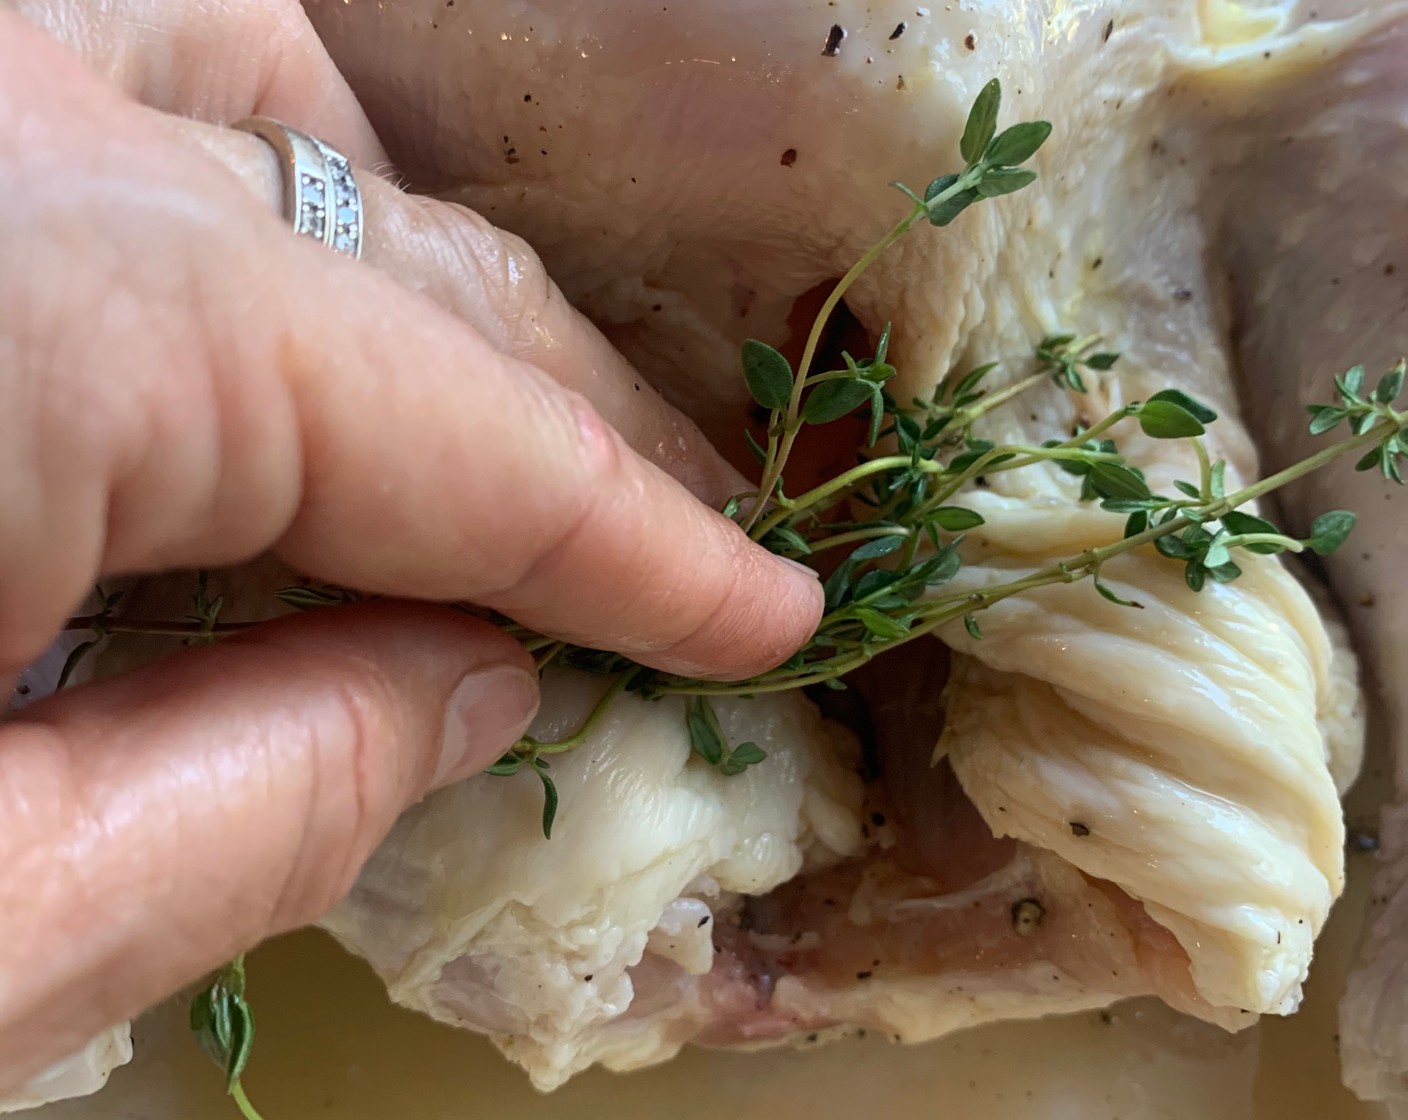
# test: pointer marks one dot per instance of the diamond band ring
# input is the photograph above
(320, 195)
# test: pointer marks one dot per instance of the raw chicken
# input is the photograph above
(1185, 756)
(598, 945)
(78, 1075)
(1319, 280)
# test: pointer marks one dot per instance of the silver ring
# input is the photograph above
(346, 234)
(320, 195)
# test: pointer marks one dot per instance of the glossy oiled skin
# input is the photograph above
(1223, 199)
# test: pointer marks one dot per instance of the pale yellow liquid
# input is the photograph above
(329, 1044)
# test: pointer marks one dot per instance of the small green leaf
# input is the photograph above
(305, 598)
(704, 734)
(732, 506)
(982, 122)
(956, 519)
(1245, 523)
(768, 373)
(755, 448)
(1187, 488)
(877, 415)
(882, 347)
(784, 539)
(1217, 480)
(72, 662)
(881, 625)
(207, 1031)
(832, 400)
(941, 569)
(1225, 573)
(1127, 505)
(938, 186)
(1196, 408)
(241, 1043)
(971, 625)
(743, 756)
(945, 212)
(1329, 531)
(1195, 575)
(1173, 546)
(1390, 386)
(1102, 361)
(836, 588)
(223, 1022)
(1324, 418)
(1390, 463)
(1066, 374)
(1018, 144)
(549, 798)
(872, 583)
(1361, 423)
(1351, 381)
(1111, 480)
(1105, 591)
(1166, 420)
(506, 766)
(1217, 552)
(1136, 524)
(880, 546)
(972, 379)
(1004, 180)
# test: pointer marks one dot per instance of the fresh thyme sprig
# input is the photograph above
(992, 168)
(223, 1024)
(97, 624)
(904, 545)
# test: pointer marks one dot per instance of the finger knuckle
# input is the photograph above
(504, 267)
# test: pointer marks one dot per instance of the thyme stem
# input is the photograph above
(780, 447)
(242, 1102)
(534, 747)
(949, 608)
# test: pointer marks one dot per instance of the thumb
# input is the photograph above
(158, 823)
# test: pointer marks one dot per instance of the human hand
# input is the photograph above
(188, 385)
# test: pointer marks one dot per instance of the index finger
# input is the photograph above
(195, 386)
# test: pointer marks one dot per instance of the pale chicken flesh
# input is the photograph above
(691, 172)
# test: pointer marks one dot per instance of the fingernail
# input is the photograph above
(811, 573)
(486, 714)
